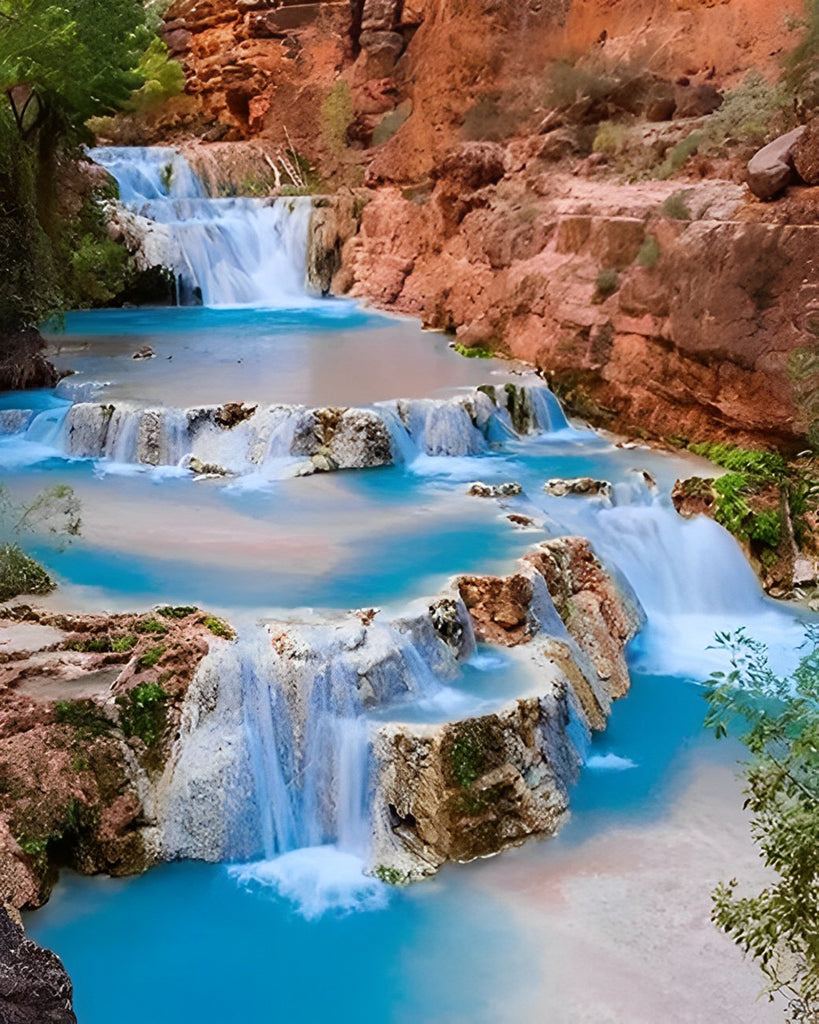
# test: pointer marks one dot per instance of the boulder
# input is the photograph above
(772, 168)
(504, 490)
(34, 985)
(696, 100)
(806, 154)
(559, 487)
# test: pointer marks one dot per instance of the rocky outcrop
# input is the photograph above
(772, 169)
(22, 363)
(586, 485)
(34, 986)
(89, 707)
(680, 346)
(470, 788)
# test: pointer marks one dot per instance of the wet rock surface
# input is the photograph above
(34, 986)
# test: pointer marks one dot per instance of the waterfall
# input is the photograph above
(274, 760)
(269, 442)
(224, 251)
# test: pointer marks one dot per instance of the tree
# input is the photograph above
(779, 721)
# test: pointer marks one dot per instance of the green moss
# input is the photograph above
(177, 611)
(219, 627)
(649, 252)
(152, 625)
(142, 712)
(150, 656)
(104, 644)
(83, 715)
(473, 352)
(20, 574)
(390, 875)
(467, 754)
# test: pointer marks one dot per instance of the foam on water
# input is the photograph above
(316, 880)
(609, 763)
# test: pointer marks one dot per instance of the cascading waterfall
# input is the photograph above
(275, 761)
(274, 441)
(224, 251)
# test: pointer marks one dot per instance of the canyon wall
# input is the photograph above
(459, 141)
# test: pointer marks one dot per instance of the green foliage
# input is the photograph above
(180, 611)
(219, 627)
(766, 528)
(104, 644)
(676, 207)
(162, 77)
(150, 656)
(390, 875)
(779, 719)
(20, 574)
(473, 351)
(769, 466)
(679, 155)
(83, 715)
(337, 116)
(607, 283)
(572, 81)
(151, 625)
(142, 712)
(649, 252)
(802, 64)
(60, 64)
(752, 114)
(610, 139)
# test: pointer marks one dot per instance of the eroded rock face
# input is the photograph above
(79, 759)
(34, 986)
(22, 363)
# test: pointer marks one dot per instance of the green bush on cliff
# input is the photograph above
(778, 719)
(163, 77)
(219, 627)
(606, 283)
(752, 114)
(649, 252)
(769, 466)
(142, 712)
(473, 351)
(20, 574)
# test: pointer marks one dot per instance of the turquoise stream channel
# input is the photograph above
(304, 936)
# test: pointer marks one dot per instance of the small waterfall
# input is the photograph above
(224, 252)
(275, 759)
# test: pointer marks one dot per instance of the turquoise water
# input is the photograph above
(188, 941)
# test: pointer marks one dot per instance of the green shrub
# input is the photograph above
(607, 283)
(20, 574)
(769, 466)
(142, 712)
(676, 207)
(163, 77)
(679, 155)
(610, 139)
(473, 351)
(390, 875)
(752, 114)
(649, 252)
(150, 656)
(766, 528)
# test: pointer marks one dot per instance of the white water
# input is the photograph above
(224, 252)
